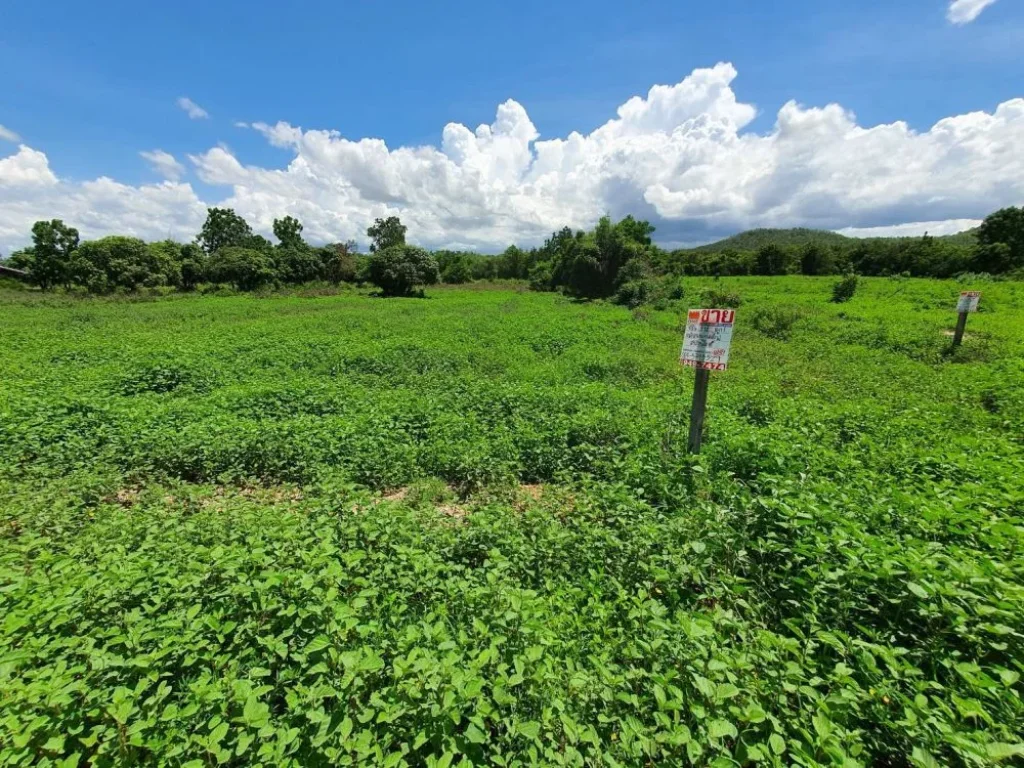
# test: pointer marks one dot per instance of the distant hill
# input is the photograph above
(753, 239)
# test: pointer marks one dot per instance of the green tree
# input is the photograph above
(458, 270)
(386, 233)
(992, 258)
(53, 244)
(1004, 226)
(338, 262)
(541, 276)
(244, 268)
(771, 260)
(813, 260)
(224, 229)
(289, 232)
(165, 258)
(579, 272)
(121, 262)
(193, 266)
(513, 263)
(23, 259)
(402, 269)
(258, 243)
(298, 263)
(636, 230)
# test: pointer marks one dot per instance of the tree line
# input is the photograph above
(615, 260)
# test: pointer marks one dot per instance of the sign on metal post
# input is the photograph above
(968, 303)
(706, 348)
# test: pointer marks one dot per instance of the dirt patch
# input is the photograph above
(532, 491)
(453, 510)
(126, 497)
(396, 495)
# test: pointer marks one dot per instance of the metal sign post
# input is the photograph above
(706, 348)
(968, 303)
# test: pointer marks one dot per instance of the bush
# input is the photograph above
(244, 268)
(541, 276)
(458, 271)
(717, 299)
(634, 293)
(843, 290)
(401, 270)
(775, 322)
(647, 290)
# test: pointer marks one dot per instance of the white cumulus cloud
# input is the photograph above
(966, 11)
(6, 134)
(29, 191)
(681, 156)
(193, 110)
(164, 163)
(27, 169)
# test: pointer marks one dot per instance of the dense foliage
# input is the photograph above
(464, 531)
(402, 270)
(617, 260)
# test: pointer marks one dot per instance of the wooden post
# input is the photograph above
(961, 323)
(700, 401)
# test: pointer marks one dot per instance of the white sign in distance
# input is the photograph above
(707, 339)
(968, 301)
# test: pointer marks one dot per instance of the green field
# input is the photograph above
(464, 530)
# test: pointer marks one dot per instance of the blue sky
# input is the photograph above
(90, 86)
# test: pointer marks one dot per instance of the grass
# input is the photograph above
(463, 530)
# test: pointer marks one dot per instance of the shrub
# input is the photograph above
(713, 297)
(775, 322)
(843, 290)
(402, 270)
(541, 276)
(647, 290)
(458, 271)
(634, 293)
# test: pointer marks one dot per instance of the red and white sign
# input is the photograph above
(707, 339)
(968, 301)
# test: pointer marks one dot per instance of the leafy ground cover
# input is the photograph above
(463, 530)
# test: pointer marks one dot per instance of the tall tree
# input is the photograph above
(402, 270)
(193, 266)
(53, 245)
(224, 228)
(386, 233)
(1004, 226)
(771, 260)
(289, 232)
(813, 260)
(339, 261)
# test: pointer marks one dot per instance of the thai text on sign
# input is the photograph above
(707, 339)
(968, 301)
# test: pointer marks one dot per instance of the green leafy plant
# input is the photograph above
(843, 290)
(466, 531)
(775, 322)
